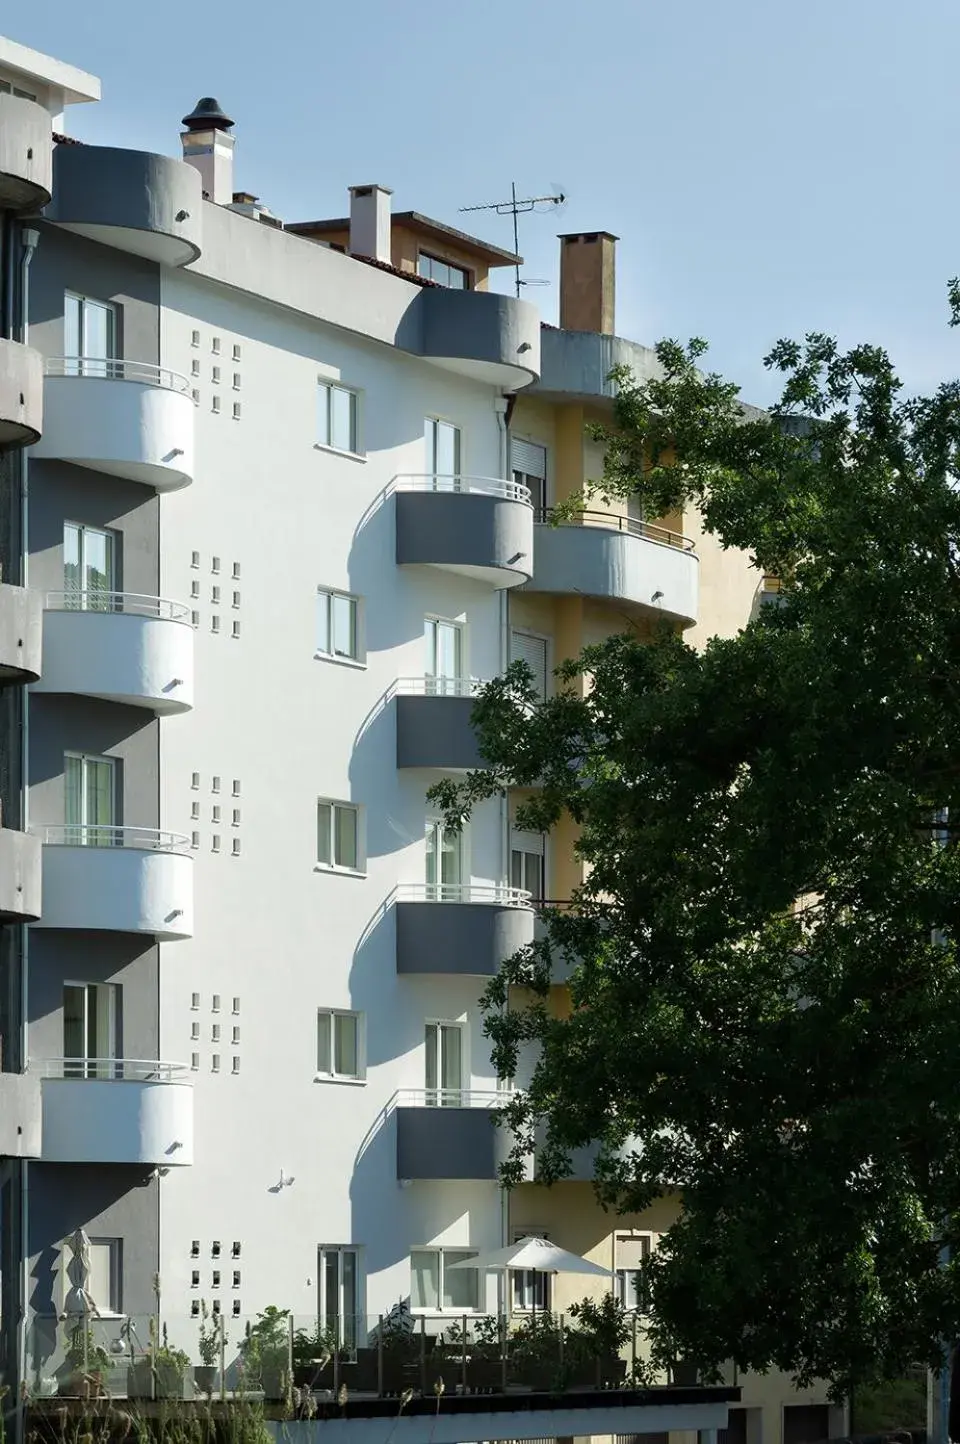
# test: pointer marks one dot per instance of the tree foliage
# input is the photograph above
(766, 993)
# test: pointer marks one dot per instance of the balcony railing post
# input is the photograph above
(463, 1355)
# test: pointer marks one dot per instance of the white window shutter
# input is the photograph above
(529, 458)
(533, 651)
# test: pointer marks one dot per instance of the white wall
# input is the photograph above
(270, 929)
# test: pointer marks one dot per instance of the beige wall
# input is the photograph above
(729, 585)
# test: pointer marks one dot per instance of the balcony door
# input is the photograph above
(90, 336)
(443, 644)
(443, 454)
(444, 1065)
(532, 649)
(89, 567)
(89, 1029)
(338, 1270)
(527, 868)
(528, 462)
(444, 872)
(90, 800)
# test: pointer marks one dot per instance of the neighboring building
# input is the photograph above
(285, 506)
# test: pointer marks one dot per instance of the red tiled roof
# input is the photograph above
(65, 139)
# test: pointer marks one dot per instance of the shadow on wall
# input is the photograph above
(373, 556)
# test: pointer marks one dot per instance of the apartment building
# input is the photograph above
(275, 499)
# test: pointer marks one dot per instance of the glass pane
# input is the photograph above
(344, 626)
(425, 266)
(71, 333)
(448, 451)
(101, 1283)
(100, 1020)
(346, 840)
(457, 278)
(448, 650)
(324, 830)
(98, 802)
(323, 621)
(430, 1061)
(323, 415)
(73, 790)
(516, 868)
(345, 1037)
(434, 833)
(343, 410)
(459, 1285)
(74, 1023)
(324, 1059)
(331, 1284)
(451, 1047)
(424, 1279)
(430, 647)
(450, 855)
(97, 337)
(71, 558)
(97, 568)
(348, 1261)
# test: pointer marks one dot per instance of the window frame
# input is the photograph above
(103, 366)
(346, 1336)
(322, 654)
(441, 1308)
(453, 479)
(434, 682)
(85, 1064)
(533, 1285)
(328, 385)
(648, 1243)
(114, 1309)
(358, 869)
(547, 641)
(467, 272)
(323, 1076)
(436, 825)
(113, 538)
(519, 848)
(437, 1092)
(87, 832)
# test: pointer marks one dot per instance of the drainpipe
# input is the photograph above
(502, 408)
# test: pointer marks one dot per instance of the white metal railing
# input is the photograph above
(121, 1070)
(101, 834)
(472, 485)
(130, 603)
(611, 521)
(113, 369)
(438, 686)
(463, 892)
(449, 1098)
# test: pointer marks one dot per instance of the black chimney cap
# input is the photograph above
(207, 115)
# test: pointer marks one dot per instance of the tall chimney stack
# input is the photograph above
(208, 147)
(587, 281)
(370, 222)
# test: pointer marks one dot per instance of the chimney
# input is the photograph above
(587, 277)
(208, 147)
(370, 222)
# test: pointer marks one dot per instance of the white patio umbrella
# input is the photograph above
(78, 1300)
(532, 1253)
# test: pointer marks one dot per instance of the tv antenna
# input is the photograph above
(514, 207)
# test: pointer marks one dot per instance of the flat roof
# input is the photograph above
(413, 220)
(72, 85)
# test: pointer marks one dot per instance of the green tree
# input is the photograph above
(767, 1001)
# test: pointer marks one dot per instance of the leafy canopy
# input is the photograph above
(766, 994)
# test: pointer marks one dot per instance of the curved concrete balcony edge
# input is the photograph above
(21, 634)
(621, 561)
(117, 879)
(482, 334)
(21, 393)
(119, 647)
(125, 418)
(26, 154)
(476, 527)
(20, 875)
(149, 205)
(461, 929)
(116, 1110)
(449, 1134)
(434, 727)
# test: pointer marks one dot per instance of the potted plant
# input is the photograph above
(313, 1351)
(86, 1364)
(602, 1329)
(396, 1339)
(536, 1352)
(213, 1340)
(171, 1367)
(265, 1352)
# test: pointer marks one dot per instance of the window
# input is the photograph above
(104, 1284)
(436, 1285)
(9, 89)
(531, 1288)
(443, 272)
(338, 835)
(338, 1272)
(90, 1029)
(337, 629)
(444, 861)
(525, 647)
(443, 1065)
(442, 454)
(338, 1044)
(90, 336)
(89, 567)
(90, 800)
(336, 417)
(443, 662)
(631, 1285)
(527, 863)
(528, 462)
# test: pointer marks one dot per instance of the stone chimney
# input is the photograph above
(370, 222)
(208, 147)
(587, 281)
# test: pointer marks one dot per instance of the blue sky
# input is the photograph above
(770, 168)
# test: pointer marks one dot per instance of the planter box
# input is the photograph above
(139, 1381)
(206, 1378)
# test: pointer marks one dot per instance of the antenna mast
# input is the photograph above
(515, 208)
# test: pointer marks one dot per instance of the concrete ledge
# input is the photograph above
(147, 204)
(482, 334)
(437, 1143)
(26, 154)
(614, 565)
(469, 533)
(461, 939)
(436, 732)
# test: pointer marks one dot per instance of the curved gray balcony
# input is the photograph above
(449, 1133)
(481, 334)
(460, 929)
(433, 723)
(21, 632)
(133, 200)
(20, 872)
(474, 526)
(21, 393)
(617, 559)
(26, 154)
